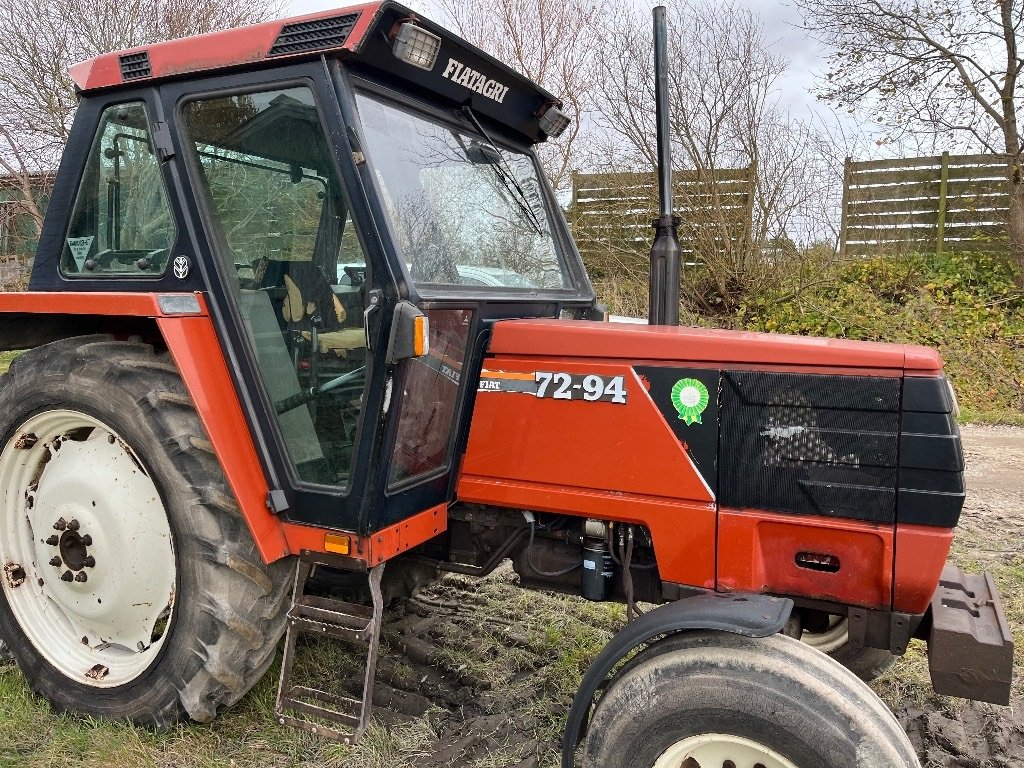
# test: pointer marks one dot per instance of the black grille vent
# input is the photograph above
(315, 35)
(810, 444)
(135, 66)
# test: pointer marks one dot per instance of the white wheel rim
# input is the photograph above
(833, 638)
(721, 750)
(71, 490)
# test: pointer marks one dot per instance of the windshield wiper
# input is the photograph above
(506, 176)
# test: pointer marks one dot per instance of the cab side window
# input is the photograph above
(121, 223)
(280, 220)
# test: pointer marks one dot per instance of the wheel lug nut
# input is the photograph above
(60, 525)
(53, 541)
(90, 562)
(56, 562)
(87, 540)
(81, 577)
(73, 525)
(66, 576)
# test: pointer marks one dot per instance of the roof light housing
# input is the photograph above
(553, 122)
(415, 45)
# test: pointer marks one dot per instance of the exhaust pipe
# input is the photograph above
(664, 281)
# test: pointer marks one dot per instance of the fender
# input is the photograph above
(750, 615)
(188, 332)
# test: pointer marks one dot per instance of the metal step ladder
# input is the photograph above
(309, 708)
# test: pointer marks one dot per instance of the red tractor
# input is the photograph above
(304, 306)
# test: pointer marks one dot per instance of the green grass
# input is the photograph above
(244, 737)
(6, 358)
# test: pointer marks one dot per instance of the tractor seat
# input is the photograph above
(340, 342)
(298, 304)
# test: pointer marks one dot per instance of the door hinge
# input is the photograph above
(162, 141)
(277, 502)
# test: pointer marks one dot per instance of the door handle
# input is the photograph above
(375, 299)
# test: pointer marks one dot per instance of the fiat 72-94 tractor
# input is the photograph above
(304, 306)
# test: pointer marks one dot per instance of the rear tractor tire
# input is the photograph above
(132, 587)
(718, 700)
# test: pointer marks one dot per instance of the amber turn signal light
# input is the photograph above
(339, 544)
(421, 343)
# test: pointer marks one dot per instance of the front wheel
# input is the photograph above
(832, 636)
(713, 699)
(132, 587)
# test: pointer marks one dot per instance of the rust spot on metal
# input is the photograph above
(98, 672)
(25, 441)
(15, 575)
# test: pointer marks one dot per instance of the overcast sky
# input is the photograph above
(781, 28)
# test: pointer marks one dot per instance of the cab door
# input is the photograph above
(295, 278)
(428, 406)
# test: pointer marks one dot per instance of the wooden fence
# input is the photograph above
(926, 204)
(611, 213)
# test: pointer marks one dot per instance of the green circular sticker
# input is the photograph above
(690, 398)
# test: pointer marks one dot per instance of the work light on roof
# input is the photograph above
(414, 45)
(553, 122)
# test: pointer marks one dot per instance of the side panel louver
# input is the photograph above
(314, 35)
(135, 66)
(810, 444)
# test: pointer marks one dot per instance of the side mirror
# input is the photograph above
(410, 333)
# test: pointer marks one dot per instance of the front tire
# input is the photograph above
(713, 699)
(139, 592)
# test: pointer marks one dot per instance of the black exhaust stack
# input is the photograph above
(664, 281)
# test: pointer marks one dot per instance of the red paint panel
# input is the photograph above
(636, 342)
(600, 446)
(380, 546)
(212, 51)
(193, 345)
(757, 552)
(683, 532)
(70, 303)
(921, 553)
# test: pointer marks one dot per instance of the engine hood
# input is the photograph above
(628, 341)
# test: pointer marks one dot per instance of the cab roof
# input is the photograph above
(461, 75)
(332, 30)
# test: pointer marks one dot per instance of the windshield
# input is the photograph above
(464, 211)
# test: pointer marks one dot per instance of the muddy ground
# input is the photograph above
(480, 673)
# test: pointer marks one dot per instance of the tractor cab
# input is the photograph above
(354, 207)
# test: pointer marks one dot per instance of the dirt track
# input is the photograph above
(952, 732)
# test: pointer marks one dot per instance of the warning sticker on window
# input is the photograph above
(80, 249)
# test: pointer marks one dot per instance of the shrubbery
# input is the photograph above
(966, 305)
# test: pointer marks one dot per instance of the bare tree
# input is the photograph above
(724, 114)
(42, 38)
(942, 68)
(549, 41)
